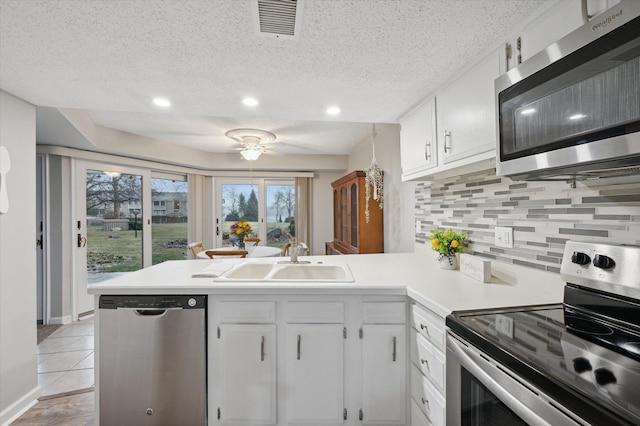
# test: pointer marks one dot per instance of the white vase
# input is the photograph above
(447, 261)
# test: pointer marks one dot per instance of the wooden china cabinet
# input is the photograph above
(351, 232)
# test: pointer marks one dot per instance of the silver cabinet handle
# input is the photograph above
(447, 135)
(262, 349)
(427, 150)
(425, 362)
(299, 339)
(425, 402)
(393, 355)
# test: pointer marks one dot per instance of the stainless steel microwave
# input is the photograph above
(573, 110)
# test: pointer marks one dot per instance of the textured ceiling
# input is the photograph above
(373, 58)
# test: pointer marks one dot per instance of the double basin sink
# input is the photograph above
(298, 272)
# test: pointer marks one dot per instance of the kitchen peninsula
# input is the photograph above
(288, 352)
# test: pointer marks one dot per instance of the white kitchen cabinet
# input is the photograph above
(418, 149)
(384, 374)
(466, 112)
(316, 368)
(551, 26)
(315, 373)
(428, 366)
(246, 373)
(465, 125)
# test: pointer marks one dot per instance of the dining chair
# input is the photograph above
(253, 240)
(226, 253)
(285, 249)
(196, 248)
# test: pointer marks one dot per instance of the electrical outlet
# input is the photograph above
(504, 237)
(418, 227)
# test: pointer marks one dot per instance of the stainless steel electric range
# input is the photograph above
(573, 363)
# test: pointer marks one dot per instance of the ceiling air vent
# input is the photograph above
(277, 18)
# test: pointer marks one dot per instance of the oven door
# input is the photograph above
(482, 392)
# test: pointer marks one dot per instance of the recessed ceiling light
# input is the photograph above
(250, 101)
(162, 102)
(333, 110)
(528, 111)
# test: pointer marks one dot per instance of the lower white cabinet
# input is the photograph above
(315, 373)
(428, 367)
(246, 374)
(307, 360)
(384, 364)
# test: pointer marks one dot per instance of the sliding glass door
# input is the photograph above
(170, 214)
(126, 219)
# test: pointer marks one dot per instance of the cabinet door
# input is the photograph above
(418, 139)
(552, 25)
(247, 374)
(315, 375)
(466, 112)
(384, 383)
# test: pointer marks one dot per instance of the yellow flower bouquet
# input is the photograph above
(447, 242)
(241, 230)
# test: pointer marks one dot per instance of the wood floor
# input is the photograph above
(73, 410)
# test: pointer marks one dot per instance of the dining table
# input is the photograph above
(253, 251)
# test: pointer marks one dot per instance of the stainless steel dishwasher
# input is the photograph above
(152, 360)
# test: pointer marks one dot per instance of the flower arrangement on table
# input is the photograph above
(241, 229)
(447, 243)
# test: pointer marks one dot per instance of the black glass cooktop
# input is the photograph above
(586, 364)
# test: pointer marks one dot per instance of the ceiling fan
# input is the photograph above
(252, 141)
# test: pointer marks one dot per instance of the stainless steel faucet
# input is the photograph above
(296, 250)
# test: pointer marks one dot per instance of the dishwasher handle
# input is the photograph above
(150, 312)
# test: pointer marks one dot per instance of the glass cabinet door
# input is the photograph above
(336, 216)
(344, 224)
(354, 215)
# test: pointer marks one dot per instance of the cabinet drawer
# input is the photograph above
(247, 312)
(315, 312)
(418, 418)
(428, 325)
(383, 312)
(428, 359)
(428, 399)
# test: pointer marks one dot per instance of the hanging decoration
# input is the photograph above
(373, 180)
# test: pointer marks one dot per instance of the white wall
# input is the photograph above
(322, 207)
(18, 374)
(398, 197)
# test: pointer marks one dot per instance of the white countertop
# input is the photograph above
(416, 275)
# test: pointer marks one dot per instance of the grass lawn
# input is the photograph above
(121, 251)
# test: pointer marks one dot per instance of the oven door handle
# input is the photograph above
(513, 394)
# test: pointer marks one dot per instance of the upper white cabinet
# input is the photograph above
(466, 112)
(456, 127)
(418, 144)
(551, 26)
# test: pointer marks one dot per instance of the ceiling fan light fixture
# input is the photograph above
(251, 153)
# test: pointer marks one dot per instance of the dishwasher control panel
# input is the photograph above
(152, 302)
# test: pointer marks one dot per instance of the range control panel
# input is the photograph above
(606, 267)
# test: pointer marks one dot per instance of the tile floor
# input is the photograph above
(65, 359)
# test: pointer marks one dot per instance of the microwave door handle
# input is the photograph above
(510, 393)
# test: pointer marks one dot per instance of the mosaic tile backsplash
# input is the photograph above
(543, 215)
